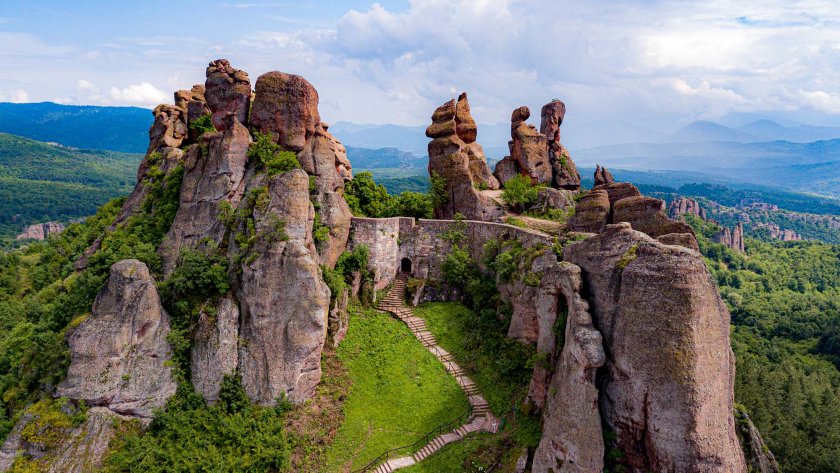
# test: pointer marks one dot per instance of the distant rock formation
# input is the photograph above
(602, 176)
(41, 231)
(733, 239)
(779, 234)
(457, 159)
(684, 205)
(118, 354)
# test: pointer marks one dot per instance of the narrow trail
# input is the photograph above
(481, 419)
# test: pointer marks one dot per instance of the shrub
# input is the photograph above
(203, 124)
(437, 183)
(518, 193)
(269, 157)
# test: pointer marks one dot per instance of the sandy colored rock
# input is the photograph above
(618, 190)
(286, 108)
(465, 126)
(169, 128)
(41, 231)
(686, 240)
(566, 175)
(118, 354)
(572, 439)
(683, 205)
(209, 180)
(338, 318)
(529, 148)
(227, 92)
(667, 385)
(215, 348)
(283, 300)
(591, 212)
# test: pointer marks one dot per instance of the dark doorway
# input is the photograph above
(405, 265)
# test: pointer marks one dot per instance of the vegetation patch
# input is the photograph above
(519, 193)
(202, 125)
(399, 391)
(269, 157)
(366, 198)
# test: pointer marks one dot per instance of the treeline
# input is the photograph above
(785, 303)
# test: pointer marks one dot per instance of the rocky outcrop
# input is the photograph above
(41, 231)
(759, 458)
(647, 214)
(684, 205)
(505, 170)
(592, 212)
(338, 319)
(603, 176)
(169, 128)
(118, 354)
(73, 449)
(215, 350)
(461, 164)
(212, 176)
(572, 439)
(529, 148)
(192, 101)
(283, 300)
(733, 239)
(286, 108)
(667, 385)
(776, 232)
(565, 172)
(228, 93)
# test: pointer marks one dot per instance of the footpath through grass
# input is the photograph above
(488, 359)
(399, 391)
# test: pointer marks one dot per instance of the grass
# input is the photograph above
(449, 322)
(399, 391)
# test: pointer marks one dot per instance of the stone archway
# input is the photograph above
(405, 265)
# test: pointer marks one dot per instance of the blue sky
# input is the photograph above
(653, 64)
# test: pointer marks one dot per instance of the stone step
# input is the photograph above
(383, 468)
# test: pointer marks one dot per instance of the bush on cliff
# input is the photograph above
(519, 193)
(366, 198)
(268, 156)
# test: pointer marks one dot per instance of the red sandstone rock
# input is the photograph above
(285, 107)
(228, 93)
(602, 176)
(529, 148)
(591, 213)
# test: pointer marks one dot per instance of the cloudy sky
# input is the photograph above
(653, 64)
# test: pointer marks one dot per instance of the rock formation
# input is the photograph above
(602, 176)
(529, 148)
(565, 173)
(228, 93)
(685, 205)
(194, 104)
(758, 456)
(118, 355)
(667, 388)
(459, 161)
(41, 231)
(776, 232)
(283, 300)
(733, 239)
(572, 439)
(215, 350)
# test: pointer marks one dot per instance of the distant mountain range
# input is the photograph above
(124, 129)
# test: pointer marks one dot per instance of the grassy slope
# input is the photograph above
(448, 322)
(399, 392)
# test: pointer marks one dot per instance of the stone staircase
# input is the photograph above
(480, 419)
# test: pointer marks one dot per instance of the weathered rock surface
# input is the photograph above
(192, 101)
(667, 388)
(228, 93)
(338, 318)
(573, 439)
(733, 239)
(505, 169)
(778, 233)
(118, 355)
(618, 190)
(592, 212)
(529, 148)
(41, 231)
(566, 175)
(209, 180)
(465, 126)
(603, 176)
(285, 107)
(647, 214)
(215, 348)
(551, 198)
(79, 449)
(283, 300)
(462, 165)
(169, 128)
(759, 458)
(683, 205)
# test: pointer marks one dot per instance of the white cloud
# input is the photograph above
(86, 85)
(143, 94)
(19, 96)
(821, 100)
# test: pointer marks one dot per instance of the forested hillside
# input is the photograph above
(785, 303)
(41, 182)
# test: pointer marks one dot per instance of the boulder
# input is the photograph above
(592, 212)
(209, 180)
(215, 349)
(169, 128)
(505, 169)
(283, 299)
(119, 354)
(462, 166)
(647, 214)
(618, 190)
(228, 93)
(686, 240)
(465, 126)
(667, 385)
(572, 439)
(286, 108)
(41, 231)
(529, 148)
(551, 198)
